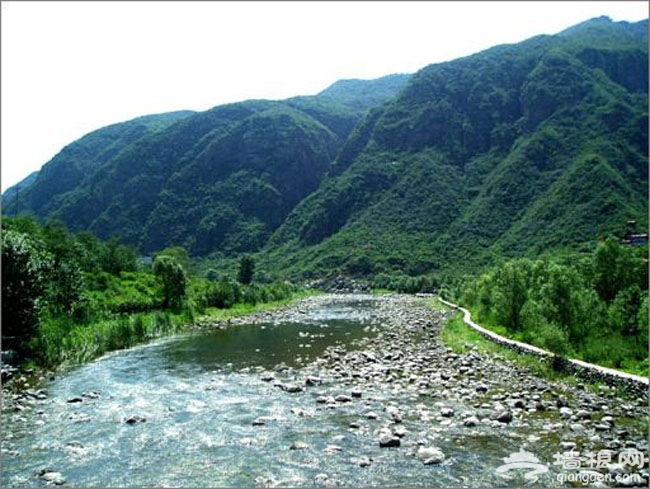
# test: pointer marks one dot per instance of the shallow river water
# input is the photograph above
(213, 420)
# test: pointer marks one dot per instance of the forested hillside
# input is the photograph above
(505, 179)
(220, 180)
(518, 150)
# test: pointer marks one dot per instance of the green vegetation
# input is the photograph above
(516, 151)
(461, 338)
(67, 298)
(592, 307)
(216, 181)
(523, 157)
(173, 279)
(246, 270)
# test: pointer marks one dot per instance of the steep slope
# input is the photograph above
(519, 149)
(68, 169)
(21, 186)
(219, 180)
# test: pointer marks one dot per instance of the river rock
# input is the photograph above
(365, 462)
(136, 418)
(75, 399)
(75, 447)
(471, 421)
(430, 455)
(262, 420)
(566, 412)
(313, 380)
(387, 440)
(298, 445)
(79, 417)
(519, 404)
(322, 480)
(583, 414)
(503, 416)
(55, 478)
(342, 398)
(356, 393)
(291, 388)
(395, 415)
(446, 412)
(603, 427)
(91, 394)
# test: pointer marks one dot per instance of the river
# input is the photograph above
(256, 405)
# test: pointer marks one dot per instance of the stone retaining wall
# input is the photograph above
(632, 383)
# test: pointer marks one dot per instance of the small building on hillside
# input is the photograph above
(632, 238)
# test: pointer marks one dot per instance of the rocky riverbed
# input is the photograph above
(390, 406)
(405, 375)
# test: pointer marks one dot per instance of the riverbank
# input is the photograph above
(83, 344)
(549, 363)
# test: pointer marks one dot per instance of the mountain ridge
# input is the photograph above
(515, 150)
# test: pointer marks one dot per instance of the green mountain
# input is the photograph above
(40, 193)
(219, 180)
(517, 150)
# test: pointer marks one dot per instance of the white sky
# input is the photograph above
(71, 67)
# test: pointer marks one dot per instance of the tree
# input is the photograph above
(613, 269)
(179, 254)
(246, 269)
(24, 281)
(117, 257)
(174, 281)
(511, 293)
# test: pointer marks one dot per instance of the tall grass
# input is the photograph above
(61, 341)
